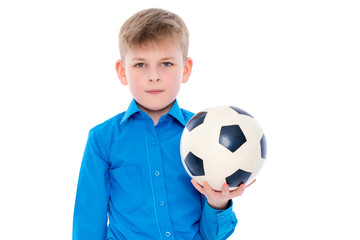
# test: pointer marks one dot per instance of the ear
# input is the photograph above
(187, 70)
(120, 70)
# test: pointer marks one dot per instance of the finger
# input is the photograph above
(209, 191)
(197, 186)
(225, 190)
(237, 192)
(251, 183)
(207, 187)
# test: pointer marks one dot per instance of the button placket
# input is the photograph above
(156, 164)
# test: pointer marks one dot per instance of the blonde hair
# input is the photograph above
(153, 25)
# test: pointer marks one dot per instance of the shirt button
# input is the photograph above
(157, 173)
(153, 142)
(167, 234)
(161, 203)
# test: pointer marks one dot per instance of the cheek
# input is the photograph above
(135, 87)
(134, 79)
(173, 75)
(175, 84)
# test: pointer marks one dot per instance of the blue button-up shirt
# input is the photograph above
(132, 184)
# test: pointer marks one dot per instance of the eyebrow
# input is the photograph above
(162, 59)
(168, 58)
(137, 59)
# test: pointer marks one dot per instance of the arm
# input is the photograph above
(90, 213)
(218, 220)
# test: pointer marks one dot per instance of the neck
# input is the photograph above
(155, 115)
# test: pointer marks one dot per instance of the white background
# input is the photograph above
(294, 65)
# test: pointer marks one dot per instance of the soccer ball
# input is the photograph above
(223, 145)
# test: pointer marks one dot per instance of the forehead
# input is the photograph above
(164, 48)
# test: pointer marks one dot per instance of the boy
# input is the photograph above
(132, 184)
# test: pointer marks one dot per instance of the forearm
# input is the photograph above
(217, 224)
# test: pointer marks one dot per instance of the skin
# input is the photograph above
(154, 74)
(217, 199)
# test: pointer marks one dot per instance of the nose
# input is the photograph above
(154, 79)
(154, 76)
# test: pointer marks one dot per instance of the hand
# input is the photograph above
(219, 199)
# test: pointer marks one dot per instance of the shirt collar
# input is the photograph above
(175, 111)
(132, 109)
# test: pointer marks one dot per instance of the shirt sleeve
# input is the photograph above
(91, 204)
(217, 224)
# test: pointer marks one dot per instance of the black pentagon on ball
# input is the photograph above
(232, 137)
(263, 146)
(237, 178)
(240, 111)
(194, 164)
(196, 120)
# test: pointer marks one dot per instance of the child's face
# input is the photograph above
(154, 73)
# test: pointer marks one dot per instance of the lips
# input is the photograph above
(154, 91)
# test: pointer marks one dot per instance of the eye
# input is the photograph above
(166, 64)
(140, 65)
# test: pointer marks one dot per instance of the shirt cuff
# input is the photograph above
(220, 216)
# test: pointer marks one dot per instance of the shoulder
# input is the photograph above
(102, 135)
(108, 126)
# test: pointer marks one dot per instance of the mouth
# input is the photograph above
(154, 91)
